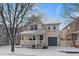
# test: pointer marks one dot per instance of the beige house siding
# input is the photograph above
(53, 33)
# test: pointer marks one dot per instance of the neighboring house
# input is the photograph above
(40, 34)
(4, 39)
(18, 36)
(70, 34)
(17, 40)
(3, 36)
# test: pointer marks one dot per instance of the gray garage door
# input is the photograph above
(52, 41)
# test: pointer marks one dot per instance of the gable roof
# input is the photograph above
(33, 32)
(43, 21)
(67, 25)
(33, 18)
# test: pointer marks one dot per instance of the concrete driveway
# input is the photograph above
(51, 51)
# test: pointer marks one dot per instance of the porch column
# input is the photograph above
(24, 38)
(45, 40)
(74, 37)
(28, 40)
(36, 41)
(21, 39)
(65, 41)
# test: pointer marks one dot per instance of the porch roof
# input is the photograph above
(75, 32)
(27, 32)
(32, 32)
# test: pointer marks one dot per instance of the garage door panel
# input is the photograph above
(52, 41)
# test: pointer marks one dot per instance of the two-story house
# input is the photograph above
(40, 33)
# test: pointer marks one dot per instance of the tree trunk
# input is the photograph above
(12, 46)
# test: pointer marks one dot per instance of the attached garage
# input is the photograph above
(52, 41)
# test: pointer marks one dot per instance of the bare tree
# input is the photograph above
(70, 10)
(12, 16)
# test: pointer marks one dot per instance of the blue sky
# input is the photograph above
(52, 10)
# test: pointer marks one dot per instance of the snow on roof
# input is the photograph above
(50, 21)
(27, 32)
(33, 32)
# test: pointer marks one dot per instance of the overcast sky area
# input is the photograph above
(52, 11)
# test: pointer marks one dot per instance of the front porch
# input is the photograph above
(71, 40)
(33, 39)
(75, 39)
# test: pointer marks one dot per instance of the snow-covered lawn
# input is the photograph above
(51, 51)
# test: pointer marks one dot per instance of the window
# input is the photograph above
(42, 25)
(41, 37)
(54, 27)
(33, 37)
(30, 38)
(48, 27)
(33, 27)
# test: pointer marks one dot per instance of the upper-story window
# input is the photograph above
(51, 27)
(54, 27)
(33, 27)
(48, 27)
